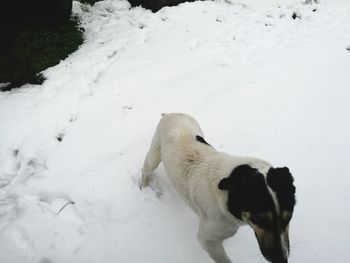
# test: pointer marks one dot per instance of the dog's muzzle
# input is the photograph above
(273, 246)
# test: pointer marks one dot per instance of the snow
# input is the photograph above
(259, 82)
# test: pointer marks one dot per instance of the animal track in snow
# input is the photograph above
(295, 16)
(10, 166)
(155, 185)
(62, 133)
(19, 168)
(112, 55)
(30, 167)
(23, 242)
(128, 107)
(9, 209)
(45, 260)
(60, 136)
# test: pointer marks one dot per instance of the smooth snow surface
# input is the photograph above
(259, 82)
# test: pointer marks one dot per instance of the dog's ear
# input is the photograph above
(247, 191)
(281, 181)
(224, 184)
(237, 177)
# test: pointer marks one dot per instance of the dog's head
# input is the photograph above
(266, 203)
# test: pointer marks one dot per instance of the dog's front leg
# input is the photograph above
(212, 242)
(215, 250)
(152, 160)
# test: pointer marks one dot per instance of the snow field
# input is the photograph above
(259, 82)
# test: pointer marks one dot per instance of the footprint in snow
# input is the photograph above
(22, 242)
(61, 134)
(9, 209)
(127, 108)
(348, 48)
(112, 55)
(30, 167)
(155, 186)
(295, 16)
(10, 166)
(60, 137)
(45, 260)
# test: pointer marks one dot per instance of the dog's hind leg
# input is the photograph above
(152, 159)
(212, 243)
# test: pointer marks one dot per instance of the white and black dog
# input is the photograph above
(225, 191)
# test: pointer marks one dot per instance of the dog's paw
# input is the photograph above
(153, 183)
(145, 179)
(156, 187)
(141, 184)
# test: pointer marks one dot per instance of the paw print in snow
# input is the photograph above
(10, 165)
(30, 167)
(45, 260)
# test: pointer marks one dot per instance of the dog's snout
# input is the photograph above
(278, 257)
(280, 260)
(275, 250)
(275, 256)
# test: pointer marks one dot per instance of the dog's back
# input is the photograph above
(193, 166)
(178, 135)
(183, 155)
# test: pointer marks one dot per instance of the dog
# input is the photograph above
(225, 191)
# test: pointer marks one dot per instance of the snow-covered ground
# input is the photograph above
(259, 82)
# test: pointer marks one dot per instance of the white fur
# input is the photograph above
(195, 169)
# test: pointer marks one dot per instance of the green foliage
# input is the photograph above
(27, 48)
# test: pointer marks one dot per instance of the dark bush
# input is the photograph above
(90, 2)
(155, 5)
(35, 9)
(35, 35)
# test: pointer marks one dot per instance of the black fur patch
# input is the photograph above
(247, 191)
(201, 139)
(281, 181)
